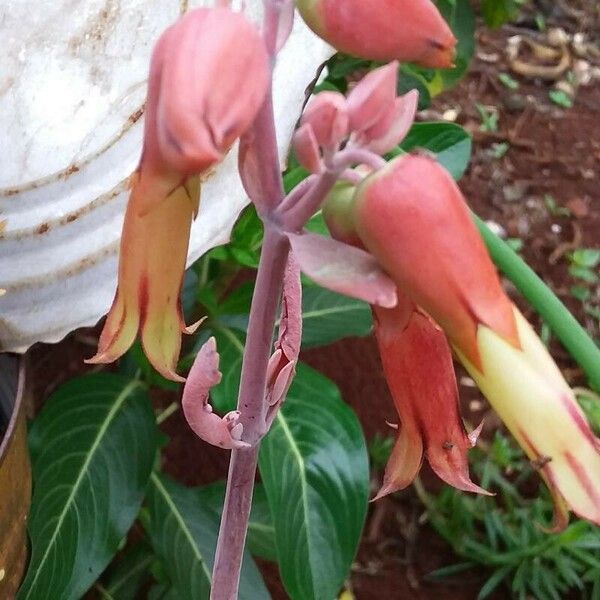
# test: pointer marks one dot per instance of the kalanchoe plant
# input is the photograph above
(405, 244)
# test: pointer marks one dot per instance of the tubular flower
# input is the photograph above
(208, 79)
(424, 238)
(530, 395)
(417, 363)
(385, 30)
(412, 217)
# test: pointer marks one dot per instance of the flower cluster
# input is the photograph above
(404, 241)
(412, 218)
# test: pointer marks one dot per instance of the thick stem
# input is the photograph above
(251, 404)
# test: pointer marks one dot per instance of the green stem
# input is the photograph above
(563, 324)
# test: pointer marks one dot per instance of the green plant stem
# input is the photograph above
(562, 323)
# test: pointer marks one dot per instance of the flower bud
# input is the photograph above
(404, 30)
(373, 97)
(306, 149)
(338, 213)
(412, 217)
(393, 126)
(327, 116)
(208, 78)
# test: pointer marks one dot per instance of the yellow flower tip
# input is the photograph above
(527, 390)
(151, 264)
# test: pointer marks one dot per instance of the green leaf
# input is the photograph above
(245, 241)
(493, 582)
(584, 273)
(183, 532)
(125, 577)
(450, 143)
(411, 78)
(560, 98)
(92, 448)
(460, 17)
(580, 292)
(327, 317)
(314, 467)
(507, 81)
(586, 257)
(497, 12)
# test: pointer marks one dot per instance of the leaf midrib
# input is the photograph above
(311, 314)
(123, 395)
(303, 483)
(181, 522)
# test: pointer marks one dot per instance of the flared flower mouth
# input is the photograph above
(151, 265)
(418, 368)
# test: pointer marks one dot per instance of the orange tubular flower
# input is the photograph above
(412, 217)
(385, 30)
(208, 79)
(417, 363)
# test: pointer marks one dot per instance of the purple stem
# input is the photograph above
(359, 156)
(257, 351)
(252, 405)
(259, 340)
(304, 200)
(294, 217)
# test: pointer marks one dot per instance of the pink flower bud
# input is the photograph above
(404, 30)
(327, 115)
(412, 217)
(208, 78)
(306, 149)
(373, 97)
(392, 128)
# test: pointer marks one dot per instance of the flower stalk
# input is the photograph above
(252, 407)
